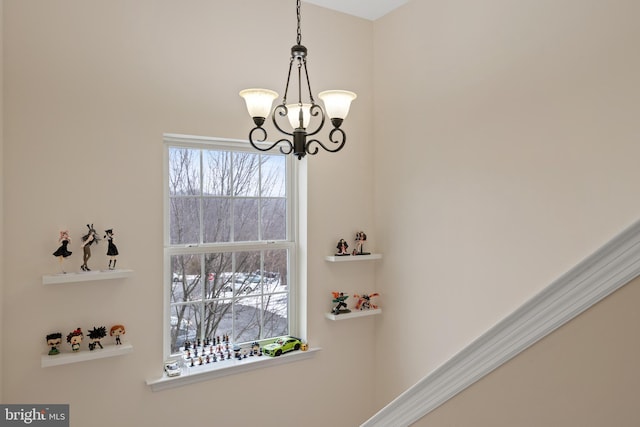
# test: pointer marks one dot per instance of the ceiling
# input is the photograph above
(368, 9)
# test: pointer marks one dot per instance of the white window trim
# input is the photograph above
(296, 325)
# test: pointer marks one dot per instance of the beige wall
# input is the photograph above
(1, 194)
(584, 374)
(506, 151)
(503, 149)
(90, 87)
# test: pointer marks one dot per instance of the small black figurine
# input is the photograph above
(62, 252)
(95, 335)
(112, 250)
(342, 248)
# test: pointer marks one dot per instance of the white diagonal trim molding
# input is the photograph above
(602, 273)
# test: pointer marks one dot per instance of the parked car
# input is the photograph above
(282, 345)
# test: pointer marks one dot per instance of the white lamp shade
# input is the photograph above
(259, 101)
(337, 102)
(293, 114)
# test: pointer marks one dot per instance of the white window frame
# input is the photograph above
(291, 243)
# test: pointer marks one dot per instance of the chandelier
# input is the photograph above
(336, 107)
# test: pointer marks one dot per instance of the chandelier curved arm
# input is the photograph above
(282, 111)
(264, 137)
(288, 149)
(316, 110)
(341, 141)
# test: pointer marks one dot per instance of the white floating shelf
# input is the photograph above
(354, 313)
(110, 350)
(85, 276)
(352, 258)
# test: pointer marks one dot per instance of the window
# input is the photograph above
(229, 242)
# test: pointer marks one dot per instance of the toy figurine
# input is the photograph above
(75, 339)
(342, 248)
(360, 239)
(117, 330)
(364, 301)
(339, 298)
(112, 250)
(62, 252)
(95, 335)
(53, 341)
(255, 348)
(87, 240)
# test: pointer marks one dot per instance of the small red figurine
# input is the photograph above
(364, 301)
(75, 339)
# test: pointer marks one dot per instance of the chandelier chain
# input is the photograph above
(299, 31)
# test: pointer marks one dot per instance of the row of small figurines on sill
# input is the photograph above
(76, 337)
(343, 246)
(210, 352)
(89, 239)
(362, 302)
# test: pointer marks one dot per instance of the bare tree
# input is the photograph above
(215, 197)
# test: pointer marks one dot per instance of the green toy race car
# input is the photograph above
(282, 345)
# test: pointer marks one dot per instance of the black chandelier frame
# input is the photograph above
(299, 145)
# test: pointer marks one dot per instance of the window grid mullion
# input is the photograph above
(201, 199)
(202, 296)
(259, 195)
(232, 196)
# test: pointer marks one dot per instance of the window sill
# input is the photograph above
(209, 372)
